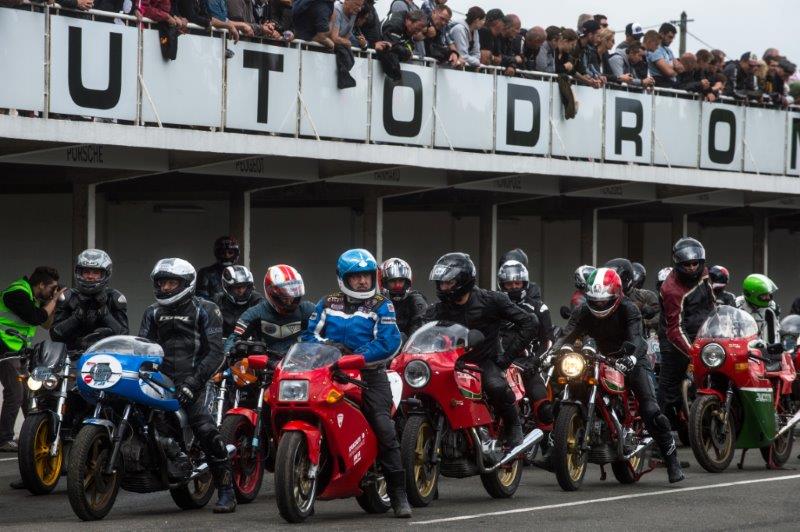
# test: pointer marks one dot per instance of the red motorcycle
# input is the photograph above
(326, 447)
(744, 393)
(449, 427)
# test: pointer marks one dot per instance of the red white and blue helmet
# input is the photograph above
(357, 261)
(603, 292)
(283, 288)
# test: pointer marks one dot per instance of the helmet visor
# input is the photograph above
(512, 272)
(444, 272)
(290, 289)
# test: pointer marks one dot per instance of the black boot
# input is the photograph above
(223, 479)
(514, 435)
(396, 482)
(674, 468)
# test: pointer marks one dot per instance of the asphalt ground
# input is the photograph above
(753, 498)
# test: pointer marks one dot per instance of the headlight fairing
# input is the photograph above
(293, 391)
(713, 355)
(417, 374)
(571, 365)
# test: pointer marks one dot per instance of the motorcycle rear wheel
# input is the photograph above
(247, 463)
(375, 497)
(781, 449)
(422, 477)
(195, 494)
(39, 471)
(712, 443)
(502, 483)
(91, 492)
(295, 492)
(569, 462)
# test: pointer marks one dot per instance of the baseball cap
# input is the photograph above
(590, 26)
(634, 29)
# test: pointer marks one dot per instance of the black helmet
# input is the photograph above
(515, 254)
(639, 275)
(687, 250)
(456, 267)
(234, 276)
(92, 259)
(513, 270)
(223, 244)
(624, 269)
(719, 277)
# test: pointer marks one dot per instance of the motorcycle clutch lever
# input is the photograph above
(342, 377)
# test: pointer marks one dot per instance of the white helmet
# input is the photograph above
(177, 269)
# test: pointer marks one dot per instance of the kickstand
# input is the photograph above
(740, 465)
(603, 472)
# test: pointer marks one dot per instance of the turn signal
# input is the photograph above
(334, 396)
(562, 380)
(590, 381)
(741, 366)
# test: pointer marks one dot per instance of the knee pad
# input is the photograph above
(214, 446)
(661, 422)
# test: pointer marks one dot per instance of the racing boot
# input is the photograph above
(514, 434)
(223, 479)
(396, 482)
(674, 469)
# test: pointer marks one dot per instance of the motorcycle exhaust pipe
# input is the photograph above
(646, 444)
(789, 424)
(530, 439)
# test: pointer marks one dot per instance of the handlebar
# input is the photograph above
(340, 376)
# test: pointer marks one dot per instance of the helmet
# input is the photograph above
(223, 244)
(581, 275)
(513, 270)
(234, 276)
(688, 250)
(357, 261)
(284, 288)
(758, 289)
(92, 259)
(719, 277)
(639, 275)
(515, 254)
(663, 273)
(393, 269)
(603, 292)
(624, 269)
(456, 267)
(177, 269)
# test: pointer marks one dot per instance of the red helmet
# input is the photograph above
(603, 292)
(284, 288)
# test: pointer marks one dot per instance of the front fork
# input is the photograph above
(116, 438)
(259, 421)
(590, 409)
(221, 394)
(728, 399)
(59, 413)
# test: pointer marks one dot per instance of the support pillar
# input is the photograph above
(373, 225)
(83, 217)
(760, 242)
(680, 221)
(487, 246)
(635, 237)
(589, 237)
(239, 223)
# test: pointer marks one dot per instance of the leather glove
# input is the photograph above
(775, 349)
(187, 391)
(625, 364)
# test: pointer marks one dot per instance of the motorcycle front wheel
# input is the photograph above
(247, 463)
(712, 441)
(39, 469)
(569, 462)
(295, 491)
(91, 491)
(416, 449)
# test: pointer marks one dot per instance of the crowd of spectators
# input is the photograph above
(590, 53)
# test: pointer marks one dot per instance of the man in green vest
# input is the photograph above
(27, 303)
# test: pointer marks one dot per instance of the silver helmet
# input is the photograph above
(234, 276)
(92, 259)
(178, 269)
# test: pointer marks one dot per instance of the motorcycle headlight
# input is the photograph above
(789, 343)
(417, 374)
(33, 384)
(42, 376)
(572, 365)
(713, 355)
(291, 391)
(51, 382)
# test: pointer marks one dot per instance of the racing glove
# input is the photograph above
(187, 391)
(625, 364)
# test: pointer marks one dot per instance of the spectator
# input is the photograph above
(546, 58)
(466, 36)
(401, 6)
(720, 56)
(441, 46)
(784, 72)
(242, 11)
(565, 52)
(368, 24)
(490, 37)
(692, 78)
(281, 15)
(660, 60)
(618, 65)
(633, 34)
(398, 33)
(771, 53)
(532, 46)
(741, 76)
(342, 25)
(196, 12)
(601, 20)
(429, 6)
(81, 5)
(311, 20)
(218, 10)
(511, 44)
(632, 59)
(581, 19)
(587, 62)
(158, 10)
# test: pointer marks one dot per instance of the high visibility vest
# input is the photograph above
(10, 321)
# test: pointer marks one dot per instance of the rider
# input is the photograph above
(686, 301)
(645, 300)
(533, 291)
(612, 319)
(719, 277)
(758, 301)
(209, 279)
(409, 305)
(237, 296)
(280, 318)
(580, 276)
(189, 329)
(92, 304)
(363, 321)
(460, 301)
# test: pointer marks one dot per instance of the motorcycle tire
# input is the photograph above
(700, 435)
(502, 483)
(422, 478)
(569, 466)
(195, 494)
(294, 494)
(623, 473)
(780, 451)
(39, 471)
(247, 463)
(91, 493)
(375, 498)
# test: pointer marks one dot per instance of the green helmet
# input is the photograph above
(758, 290)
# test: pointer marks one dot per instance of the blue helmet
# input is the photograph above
(357, 261)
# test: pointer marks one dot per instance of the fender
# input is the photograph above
(313, 437)
(576, 402)
(247, 413)
(711, 391)
(101, 423)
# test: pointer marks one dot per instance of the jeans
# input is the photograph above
(13, 398)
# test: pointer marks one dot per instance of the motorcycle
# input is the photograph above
(55, 412)
(234, 384)
(326, 447)
(247, 424)
(597, 421)
(138, 437)
(743, 393)
(450, 429)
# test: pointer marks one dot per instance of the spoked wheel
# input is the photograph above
(781, 449)
(295, 490)
(39, 469)
(630, 471)
(712, 439)
(91, 491)
(416, 448)
(196, 493)
(503, 482)
(569, 462)
(248, 463)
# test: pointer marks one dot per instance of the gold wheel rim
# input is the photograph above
(507, 475)
(424, 473)
(48, 468)
(575, 463)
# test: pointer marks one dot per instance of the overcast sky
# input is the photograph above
(734, 26)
